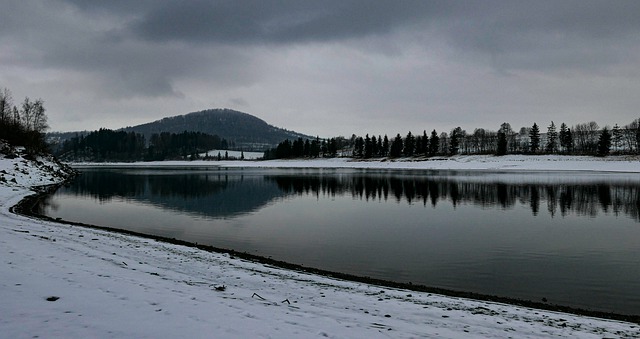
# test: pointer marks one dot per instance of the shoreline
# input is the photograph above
(27, 206)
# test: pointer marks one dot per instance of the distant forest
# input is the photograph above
(109, 145)
(581, 139)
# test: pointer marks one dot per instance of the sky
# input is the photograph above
(328, 67)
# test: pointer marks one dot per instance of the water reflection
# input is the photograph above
(586, 199)
(203, 194)
(229, 193)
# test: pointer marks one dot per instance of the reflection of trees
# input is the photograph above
(216, 194)
(580, 199)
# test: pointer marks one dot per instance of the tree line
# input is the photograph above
(110, 145)
(23, 124)
(580, 139)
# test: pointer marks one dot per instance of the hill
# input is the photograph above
(240, 129)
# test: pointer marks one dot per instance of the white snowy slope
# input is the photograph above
(515, 163)
(61, 281)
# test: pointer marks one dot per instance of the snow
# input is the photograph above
(514, 163)
(115, 285)
(233, 154)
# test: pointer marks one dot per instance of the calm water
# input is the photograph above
(572, 238)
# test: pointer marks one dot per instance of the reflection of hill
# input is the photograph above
(208, 195)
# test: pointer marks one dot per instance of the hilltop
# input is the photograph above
(241, 129)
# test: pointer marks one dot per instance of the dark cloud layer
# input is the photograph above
(582, 35)
(256, 21)
(454, 55)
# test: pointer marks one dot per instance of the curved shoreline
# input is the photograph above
(26, 207)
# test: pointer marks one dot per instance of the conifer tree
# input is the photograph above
(552, 139)
(502, 143)
(562, 136)
(534, 135)
(454, 140)
(385, 146)
(368, 147)
(616, 137)
(409, 145)
(396, 147)
(604, 142)
(424, 146)
(434, 143)
(358, 150)
(566, 138)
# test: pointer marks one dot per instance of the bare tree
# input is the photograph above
(586, 137)
(6, 102)
(39, 118)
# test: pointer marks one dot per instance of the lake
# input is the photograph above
(572, 238)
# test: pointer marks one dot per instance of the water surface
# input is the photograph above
(571, 238)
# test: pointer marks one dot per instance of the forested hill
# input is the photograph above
(242, 130)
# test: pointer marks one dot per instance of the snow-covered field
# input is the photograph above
(630, 164)
(232, 154)
(62, 281)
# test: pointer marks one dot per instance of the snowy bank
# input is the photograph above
(68, 281)
(629, 164)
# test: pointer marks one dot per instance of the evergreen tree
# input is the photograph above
(368, 147)
(434, 143)
(454, 140)
(604, 143)
(395, 150)
(509, 134)
(331, 148)
(616, 135)
(424, 147)
(409, 145)
(358, 150)
(552, 138)
(316, 146)
(638, 138)
(307, 148)
(502, 143)
(379, 151)
(374, 146)
(297, 148)
(566, 138)
(534, 135)
(562, 135)
(385, 146)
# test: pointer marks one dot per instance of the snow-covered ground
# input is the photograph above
(629, 164)
(62, 281)
(232, 154)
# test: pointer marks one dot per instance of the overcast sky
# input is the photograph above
(326, 68)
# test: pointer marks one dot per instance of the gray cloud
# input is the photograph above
(366, 63)
(242, 22)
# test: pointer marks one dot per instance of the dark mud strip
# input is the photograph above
(28, 207)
